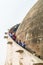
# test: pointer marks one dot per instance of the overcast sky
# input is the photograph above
(11, 13)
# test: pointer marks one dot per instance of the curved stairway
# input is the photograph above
(16, 55)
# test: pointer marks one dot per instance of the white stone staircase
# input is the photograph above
(16, 55)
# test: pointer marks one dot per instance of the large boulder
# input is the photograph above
(31, 29)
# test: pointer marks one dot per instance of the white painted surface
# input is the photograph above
(27, 57)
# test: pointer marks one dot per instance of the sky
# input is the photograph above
(11, 13)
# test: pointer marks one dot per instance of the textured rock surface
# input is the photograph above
(38, 64)
(31, 29)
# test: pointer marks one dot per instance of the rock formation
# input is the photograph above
(31, 29)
